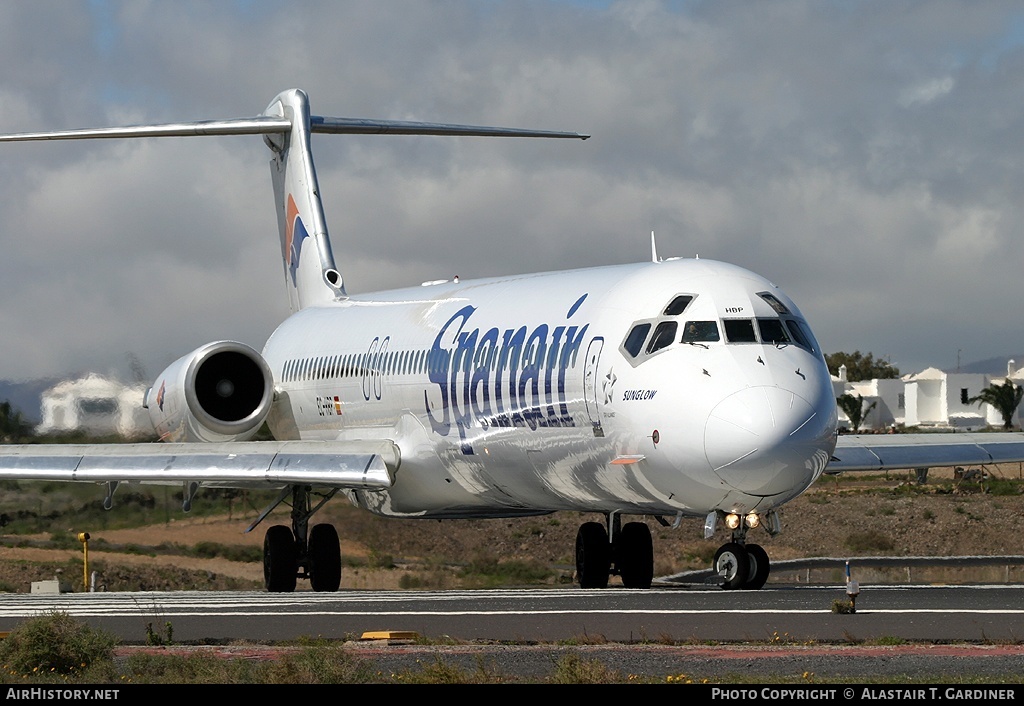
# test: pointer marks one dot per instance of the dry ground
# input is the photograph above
(836, 518)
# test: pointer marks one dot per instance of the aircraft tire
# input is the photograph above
(324, 558)
(280, 560)
(634, 555)
(593, 555)
(760, 567)
(732, 563)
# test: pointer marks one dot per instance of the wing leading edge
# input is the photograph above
(366, 465)
(870, 452)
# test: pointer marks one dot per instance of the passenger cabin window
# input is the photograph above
(635, 340)
(678, 305)
(700, 332)
(739, 331)
(772, 331)
(664, 335)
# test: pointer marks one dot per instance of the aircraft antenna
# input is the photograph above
(654, 249)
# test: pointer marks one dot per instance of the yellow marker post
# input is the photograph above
(83, 537)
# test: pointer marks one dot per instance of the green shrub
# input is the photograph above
(55, 643)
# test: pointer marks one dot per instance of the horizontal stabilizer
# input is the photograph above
(358, 126)
(269, 125)
(242, 126)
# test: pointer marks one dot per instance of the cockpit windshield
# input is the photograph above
(772, 331)
(664, 335)
(700, 332)
(648, 337)
(739, 331)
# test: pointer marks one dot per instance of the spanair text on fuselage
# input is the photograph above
(513, 395)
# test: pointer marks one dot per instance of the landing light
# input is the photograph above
(732, 520)
(752, 520)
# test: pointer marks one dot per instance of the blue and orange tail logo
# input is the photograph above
(295, 234)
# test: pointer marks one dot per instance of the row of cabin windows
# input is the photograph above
(356, 365)
(768, 330)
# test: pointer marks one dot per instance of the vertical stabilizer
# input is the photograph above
(309, 271)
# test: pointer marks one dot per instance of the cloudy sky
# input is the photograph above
(865, 156)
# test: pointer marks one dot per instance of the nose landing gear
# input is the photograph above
(743, 566)
(738, 564)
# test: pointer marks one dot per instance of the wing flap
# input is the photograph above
(868, 452)
(368, 465)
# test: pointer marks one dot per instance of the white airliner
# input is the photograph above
(665, 389)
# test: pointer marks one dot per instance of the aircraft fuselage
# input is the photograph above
(522, 395)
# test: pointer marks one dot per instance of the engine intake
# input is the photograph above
(222, 391)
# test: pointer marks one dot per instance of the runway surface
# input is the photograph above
(784, 632)
(980, 614)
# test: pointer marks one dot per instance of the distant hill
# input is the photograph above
(991, 366)
(25, 396)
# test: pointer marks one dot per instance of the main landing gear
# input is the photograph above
(623, 550)
(291, 553)
(627, 551)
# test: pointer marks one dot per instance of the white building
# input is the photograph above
(938, 399)
(883, 400)
(929, 399)
(96, 405)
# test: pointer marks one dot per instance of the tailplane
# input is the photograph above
(311, 276)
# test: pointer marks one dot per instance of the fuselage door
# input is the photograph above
(590, 383)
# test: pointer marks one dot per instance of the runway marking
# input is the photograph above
(167, 610)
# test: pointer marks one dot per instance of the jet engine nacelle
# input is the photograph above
(222, 391)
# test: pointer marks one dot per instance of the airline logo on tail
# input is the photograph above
(295, 234)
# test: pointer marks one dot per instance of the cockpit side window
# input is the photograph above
(739, 331)
(772, 331)
(635, 340)
(700, 332)
(678, 305)
(774, 302)
(664, 335)
(802, 335)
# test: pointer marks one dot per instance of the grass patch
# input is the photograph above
(441, 671)
(869, 540)
(573, 669)
(488, 572)
(843, 606)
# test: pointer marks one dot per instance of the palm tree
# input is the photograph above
(855, 410)
(1004, 398)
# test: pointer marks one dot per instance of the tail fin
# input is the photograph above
(309, 271)
(286, 125)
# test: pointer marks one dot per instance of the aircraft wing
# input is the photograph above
(368, 465)
(880, 452)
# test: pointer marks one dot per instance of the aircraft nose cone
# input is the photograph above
(764, 441)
